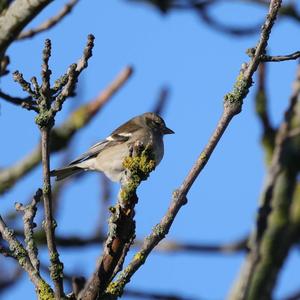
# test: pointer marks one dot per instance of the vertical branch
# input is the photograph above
(49, 101)
(56, 267)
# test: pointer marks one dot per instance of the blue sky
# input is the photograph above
(199, 65)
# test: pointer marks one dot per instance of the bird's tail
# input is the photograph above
(65, 172)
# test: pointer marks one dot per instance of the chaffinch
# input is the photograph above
(108, 155)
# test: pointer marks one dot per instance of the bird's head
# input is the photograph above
(156, 123)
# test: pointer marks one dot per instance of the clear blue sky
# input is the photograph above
(199, 65)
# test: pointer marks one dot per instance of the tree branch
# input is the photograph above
(49, 23)
(232, 106)
(273, 236)
(279, 58)
(29, 212)
(48, 106)
(18, 14)
(26, 103)
(56, 268)
(121, 223)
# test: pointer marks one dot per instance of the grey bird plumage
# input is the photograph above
(108, 155)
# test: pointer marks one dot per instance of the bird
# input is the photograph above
(107, 156)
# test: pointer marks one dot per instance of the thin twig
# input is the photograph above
(26, 103)
(162, 100)
(165, 246)
(279, 58)
(49, 23)
(232, 106)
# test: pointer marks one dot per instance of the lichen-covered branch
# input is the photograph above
(270, 241)
(232, 105)
(48, 104)
(121, 223)
(29, 212)
(62, 135)
(50, 22)
(18, 252)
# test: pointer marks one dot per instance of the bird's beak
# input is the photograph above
(167, 130)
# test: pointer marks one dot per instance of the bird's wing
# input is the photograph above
(120, 135)
(96, 149)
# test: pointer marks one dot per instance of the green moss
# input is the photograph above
(234, 99)
(139, 167)
(44, 119)
(44, 291)
(56, 269)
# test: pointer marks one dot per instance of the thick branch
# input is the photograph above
(18, 14)
(270, 241)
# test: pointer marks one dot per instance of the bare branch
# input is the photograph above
(232, 106)
(72, 75)
(50, 22)
(26, 103)
(279, 58)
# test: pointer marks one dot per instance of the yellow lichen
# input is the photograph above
(44, 291)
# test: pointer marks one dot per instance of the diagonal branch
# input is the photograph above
(121, 223)
(232, 106)
(49, 23)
